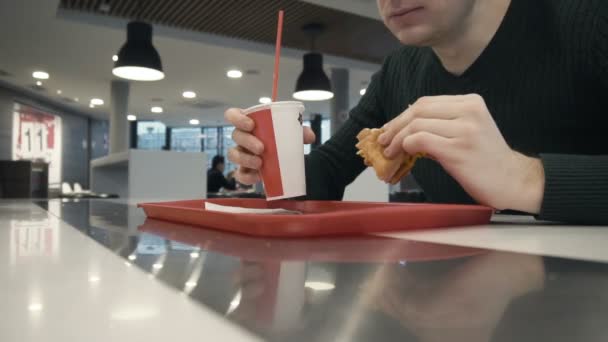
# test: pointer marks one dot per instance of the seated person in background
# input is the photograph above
(215, 176)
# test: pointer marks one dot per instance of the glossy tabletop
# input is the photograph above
(98, 270)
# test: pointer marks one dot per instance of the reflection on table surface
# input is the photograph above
(358, 288)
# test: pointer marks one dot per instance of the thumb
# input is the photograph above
(309, 135)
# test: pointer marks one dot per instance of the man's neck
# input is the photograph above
(460, 50)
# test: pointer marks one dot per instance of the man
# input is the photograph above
(215, 176)
(506, 97)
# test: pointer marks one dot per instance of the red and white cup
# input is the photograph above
(279, 126)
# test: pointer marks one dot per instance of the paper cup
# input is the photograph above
(279, 126)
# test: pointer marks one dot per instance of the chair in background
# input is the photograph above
(79, 190)
(66, 189)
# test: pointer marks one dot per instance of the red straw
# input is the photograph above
(277, 57)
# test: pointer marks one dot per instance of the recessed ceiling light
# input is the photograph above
(58, 91)
(157, 266)
(91, 105)
(41, 75)
(194, 121)
(38, 83)
(115, 58)
(156, 109)
(76, 99)
(265, 100)
(131, 117)
(97, 102)
(234, 73)
(189, 94)
(362, 91)
(190, 284)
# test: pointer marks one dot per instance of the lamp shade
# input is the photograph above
(313, 84)
(138, 60)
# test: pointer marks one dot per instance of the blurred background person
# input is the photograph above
(215, 176)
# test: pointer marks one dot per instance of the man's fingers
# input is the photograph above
(240, 121)
(433, 107)
(444, 128)
(425, 142)
(247, 176)
(309, 135)
(393, 127)
(248, 141)
(242, 157)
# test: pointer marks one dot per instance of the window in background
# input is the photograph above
(150, 135)
(227, 144)
(306, 146)
(186, 139)
(210, 143)
(325, 130)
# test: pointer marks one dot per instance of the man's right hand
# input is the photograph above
(249, 148)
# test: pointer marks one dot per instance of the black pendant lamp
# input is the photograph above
(138, 60)
(313, 84)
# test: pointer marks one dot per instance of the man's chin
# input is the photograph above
(415, 36)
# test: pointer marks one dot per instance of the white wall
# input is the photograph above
(367, 188)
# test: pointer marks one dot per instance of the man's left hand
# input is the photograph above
(460, 133)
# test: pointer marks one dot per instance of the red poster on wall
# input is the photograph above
(37, 137)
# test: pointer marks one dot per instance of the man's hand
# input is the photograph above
(249, 148)
(460, 134)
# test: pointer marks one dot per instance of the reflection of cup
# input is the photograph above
(280, 307)
(279, 126)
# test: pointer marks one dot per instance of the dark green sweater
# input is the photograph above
(544, 77)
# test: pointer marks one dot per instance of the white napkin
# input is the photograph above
(241, 210)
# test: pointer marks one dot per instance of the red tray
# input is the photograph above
(323, 249)
(319, 217)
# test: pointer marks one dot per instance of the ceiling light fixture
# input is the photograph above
(234, 73)
(91, 105)
(131, 117)
(35, 307)
(362, 91)
(194, 121)
(41, 75)
(58, 91)
(115, 58)
(189, 94)
(97, 102)
(313, 84)
(76, 99)
(38, 83)
(156, 109)
(319, 285)
(138, 60)
(265, 100)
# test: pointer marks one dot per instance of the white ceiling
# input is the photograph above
(76, 50)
